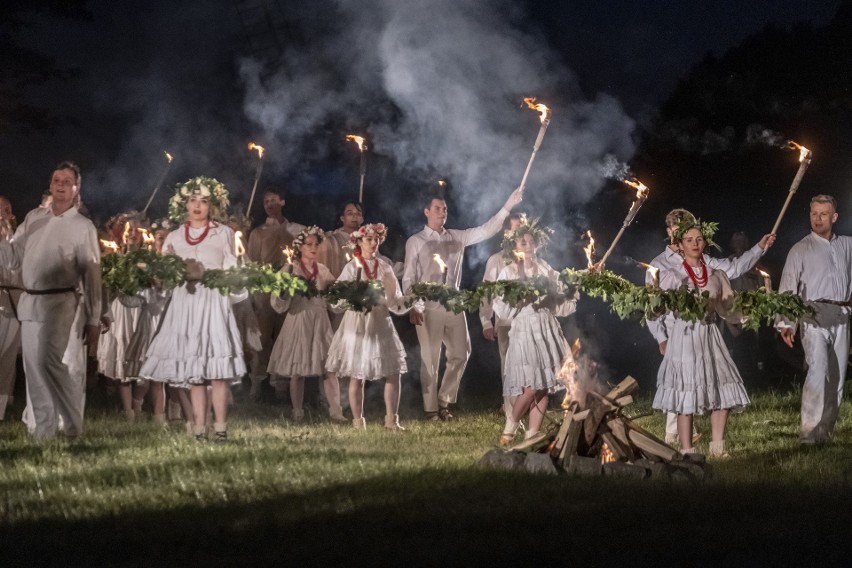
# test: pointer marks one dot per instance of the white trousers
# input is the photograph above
(55, 380)
(442, 326)
(827, 354)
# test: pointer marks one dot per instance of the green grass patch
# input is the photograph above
(315, 493)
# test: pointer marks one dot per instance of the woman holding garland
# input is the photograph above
(124, 313)
(198, 342)
(366, 346)
(697, 373)
(302, 345)
(537, 347)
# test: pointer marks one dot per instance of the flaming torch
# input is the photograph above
(257, 171)
(519, 255)
(589, 249)
(767, 280)
(544, 116)
(288, 258)
(804, 162)
(653, 272)
(362, 147)
(124, 237)
(109, 245)
(442, 265)
(159, 181)
(239, 249)
(147, 238)
(641, 196)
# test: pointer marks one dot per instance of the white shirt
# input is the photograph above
(55, 251)
(267, 240)
(215, 251)
(818, 269)
(493, 267)
(564, 308)
(333, 250)
(671, 260)
(450, 244)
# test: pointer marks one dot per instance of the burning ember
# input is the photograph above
(543, 111)
(589, 249)
(168, 156)
(358, 140)
(803, 152)
(260, 149)
(606, 454)
(440, 261)
(239, 249)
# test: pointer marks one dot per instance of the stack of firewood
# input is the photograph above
(598, 439)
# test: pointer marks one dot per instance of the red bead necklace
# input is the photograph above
(700, 282)
(311, 276)
(191, 241)
(370, 274)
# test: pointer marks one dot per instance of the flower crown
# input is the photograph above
(204, 186)
(377, 230)
(163, 224)
(706, 228)
(301, 237)
(540, 234)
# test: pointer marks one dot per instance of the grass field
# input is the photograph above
(316, 494)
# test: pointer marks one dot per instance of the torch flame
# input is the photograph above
(641, 188)
(803, 152)
(441, 264)
(288, 254)
(762, 273)
(589, 249)
(568, 376)
(358, 140)
(260, 149)
(110, 245)
(239, 249)
(653, 270)
(606, 454)
(168, 156)
(442, 183)
(126, 232)
(543, 111)
(147, 237)
(519, 255)
(348, 258)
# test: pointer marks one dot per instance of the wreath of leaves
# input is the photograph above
(760, 305)
(456, 301)
(356, 295)
(253, 277)
(127, 274)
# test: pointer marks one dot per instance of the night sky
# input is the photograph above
(132, 78)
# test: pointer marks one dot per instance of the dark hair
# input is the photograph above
(354, 202)
(507, 223)
(69, 165)
(273, 190)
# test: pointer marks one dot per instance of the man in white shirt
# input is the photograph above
(436, 325)
(670, 259)
(57, 251)
(499, 330)
(819, 269)
(264, 246)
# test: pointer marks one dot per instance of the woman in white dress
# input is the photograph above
(697, 374)
(302, 345)
(10, 327)
(366, 346)
(537, 347)
(124, 314)
(198, 343)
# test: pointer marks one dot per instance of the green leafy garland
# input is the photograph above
(598, 284)
(513, 292)
(139, 269)
(456, 301)
(254, 278)
(762, 305)
(356, 295)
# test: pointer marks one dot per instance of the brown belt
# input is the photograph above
(49, 291)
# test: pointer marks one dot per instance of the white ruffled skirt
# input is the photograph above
(198, 340)
(697, 374)
(113, 345)
(537, 350)
(366, 346)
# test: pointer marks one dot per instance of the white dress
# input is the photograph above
(198, 339)
(697, 373)
(112, 345)
(152, 303)
(537, 347)
(305, 337)
(366, 346)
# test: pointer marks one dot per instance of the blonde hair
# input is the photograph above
(823, 198)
